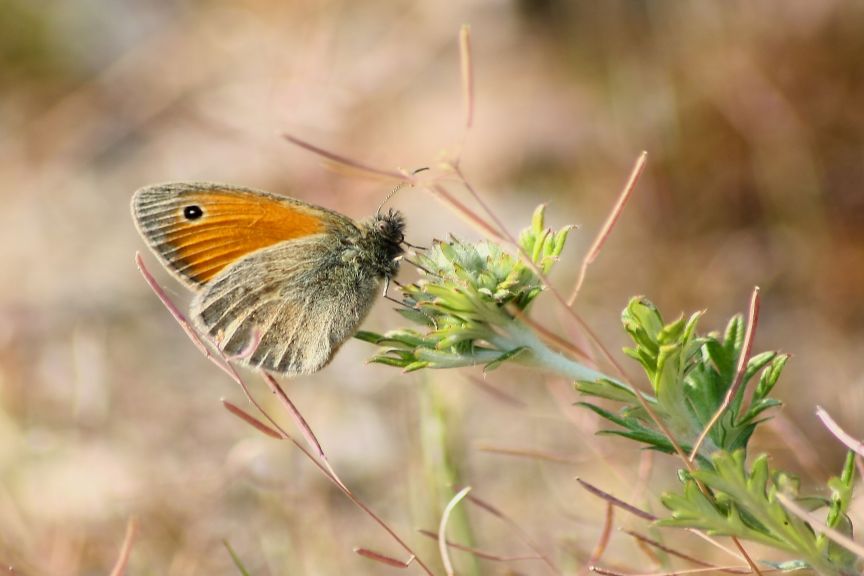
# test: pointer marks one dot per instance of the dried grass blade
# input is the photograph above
(346, 161)
(666, 549)
(819, 526)
(442, 529)
(616, 501)
(481, 553)
(483, 505)
(467, 69)
(299, 420)
(747, 558)
(847, 439)
(465, 213)
(727, 569)
(530, 453)
(126, 549)
(251, 420)
(179, 317)
(611, 220)
(752, 322)
(388, 560)
(605, 534)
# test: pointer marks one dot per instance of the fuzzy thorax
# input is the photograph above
(380, 242)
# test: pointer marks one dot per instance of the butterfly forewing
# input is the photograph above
(198, 229)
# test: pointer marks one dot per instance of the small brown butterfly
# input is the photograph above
(296, 277)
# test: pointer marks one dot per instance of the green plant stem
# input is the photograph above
(541, 356)
(441, 463)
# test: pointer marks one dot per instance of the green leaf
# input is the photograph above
(537, 218)
(370, 337)
(561, 240)
(838, 519)
(633, 429)
(537, 252)
(748, 509)
(389, 361)
(605, 388)
(752, 493)
(509, 355)
(414, 366)
(770, 375)
(690, 375)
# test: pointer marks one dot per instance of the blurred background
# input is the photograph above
(753, 120)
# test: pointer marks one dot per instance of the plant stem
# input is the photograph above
(518, 334)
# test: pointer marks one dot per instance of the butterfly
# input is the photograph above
(279, 284)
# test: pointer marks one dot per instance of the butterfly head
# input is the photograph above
(383, 236)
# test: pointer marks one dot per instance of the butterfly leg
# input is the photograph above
(414, 246)
(387, 281)
(420, 267)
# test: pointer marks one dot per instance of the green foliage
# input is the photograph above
(470, 301)
(690, 375)
(733, 501)
(742, 504)
(841, 497)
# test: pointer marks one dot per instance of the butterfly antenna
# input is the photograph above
(397, 188)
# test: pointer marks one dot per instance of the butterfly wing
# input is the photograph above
(197, 229)
(288, 308)
(275, 284)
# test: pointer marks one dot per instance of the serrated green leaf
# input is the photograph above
(750, 493)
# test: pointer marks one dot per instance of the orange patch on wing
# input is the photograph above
(231, 227)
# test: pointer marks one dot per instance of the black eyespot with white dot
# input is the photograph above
(192, 212)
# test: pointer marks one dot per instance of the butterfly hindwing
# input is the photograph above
(285, 309)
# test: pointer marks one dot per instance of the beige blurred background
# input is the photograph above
(752, 116)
